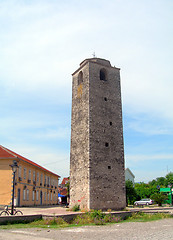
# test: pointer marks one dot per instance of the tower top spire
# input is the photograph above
(94, 55)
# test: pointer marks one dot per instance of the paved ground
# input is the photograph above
(157, 230)
(59, 210)
(46, 210)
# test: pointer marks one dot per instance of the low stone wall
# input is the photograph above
(19, 219)
(68, 218)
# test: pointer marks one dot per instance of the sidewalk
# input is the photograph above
(45, 210)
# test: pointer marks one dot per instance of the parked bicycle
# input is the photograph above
(7, 211)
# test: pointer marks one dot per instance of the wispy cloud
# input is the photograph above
(140, 158)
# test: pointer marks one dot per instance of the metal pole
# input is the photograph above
(171, 196)
(12, 207)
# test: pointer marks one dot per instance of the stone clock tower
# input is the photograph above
(97, 178)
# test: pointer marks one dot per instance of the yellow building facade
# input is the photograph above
(34, 185)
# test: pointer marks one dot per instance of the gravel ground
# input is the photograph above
(156, 230)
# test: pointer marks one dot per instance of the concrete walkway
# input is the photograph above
(46, 210)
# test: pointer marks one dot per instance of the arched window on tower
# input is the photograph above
(80, 77)
(103, 74)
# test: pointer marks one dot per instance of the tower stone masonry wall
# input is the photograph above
(97, 178)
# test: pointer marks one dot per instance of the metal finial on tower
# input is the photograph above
(94, 55)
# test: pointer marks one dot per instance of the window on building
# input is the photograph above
(24, 194)
(106, 144)
(33, 195)
(45, 196)
(24, 173)
(41, 178)
(20, 172)
(27, 194)
(33, 175)
(80, 78)
(37, 195)
(37, 176)
(51, 196)
(48, 196)
(103, 74)
(45, 179)
(48, 181)
(29, 176)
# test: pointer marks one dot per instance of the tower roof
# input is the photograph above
(96, 60)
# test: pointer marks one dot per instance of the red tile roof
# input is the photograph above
(8, 154)
(65, 180)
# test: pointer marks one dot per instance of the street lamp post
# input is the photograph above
(14, 167)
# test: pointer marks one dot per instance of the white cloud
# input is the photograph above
(141, 157)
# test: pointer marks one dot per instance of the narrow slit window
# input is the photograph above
(106, 144)
(80, 78)
(103, 74)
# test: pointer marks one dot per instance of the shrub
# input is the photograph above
(97, 217)
(83, 219)
(98, 214)
(54, 221)
(159, 198)
(75, 208)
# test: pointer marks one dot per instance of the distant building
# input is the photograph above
(34, 184)
(63, 191)
(129, 175)
(64, 181)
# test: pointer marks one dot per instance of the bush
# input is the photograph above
(54, 221)
(97, 214)
(159, 198)
(75, 208)
(96, 217)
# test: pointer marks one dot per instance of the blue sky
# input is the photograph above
(42, 43)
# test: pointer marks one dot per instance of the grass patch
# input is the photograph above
(43, 223)
(146, 217)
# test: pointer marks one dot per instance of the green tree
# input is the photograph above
(153, 183)
(159, 198)
(161, 181)
(169, 179)
(131, 194)
(145, 190)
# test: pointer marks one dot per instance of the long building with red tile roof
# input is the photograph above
(34, 184)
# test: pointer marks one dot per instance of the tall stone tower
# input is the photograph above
(97, 178)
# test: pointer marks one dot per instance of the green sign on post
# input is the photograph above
(168, 192)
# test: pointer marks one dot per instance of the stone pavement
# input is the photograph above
(156, 230)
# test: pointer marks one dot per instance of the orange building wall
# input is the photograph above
(21, 184)
(5, 182)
